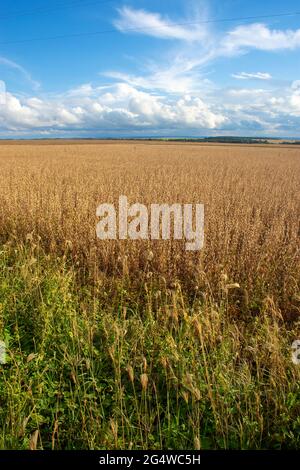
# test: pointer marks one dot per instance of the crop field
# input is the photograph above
(140, 344)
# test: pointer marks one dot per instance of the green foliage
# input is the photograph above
(109, 366)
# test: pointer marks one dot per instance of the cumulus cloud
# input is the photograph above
(275, 110)
(124, 108)
(252, 76)
(171, 93)
(114, 108)
(296, 85)
(295, 98)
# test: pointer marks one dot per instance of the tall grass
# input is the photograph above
(109, 347)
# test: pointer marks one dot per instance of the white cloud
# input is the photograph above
(124, 108)
(295, 98)
(170, 94)
(252, 76)
(276, 110)
(242, 38)
(13, 65)
(198, 47)
(179, 78)
(152, 24)
(296, 85)
(259, 36)
(247, 92)
(114, 108)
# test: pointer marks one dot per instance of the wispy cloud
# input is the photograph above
(25, 74)
(259, 36)
(179, 77)
(252, 76)
(153, 24)
(251, 36)
(197, 47)
(179, 69)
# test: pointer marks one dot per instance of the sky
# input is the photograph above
(83, 68)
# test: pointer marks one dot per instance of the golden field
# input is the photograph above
(250, 195)
(141, 344)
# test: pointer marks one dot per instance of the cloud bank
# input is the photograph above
(114, 108)
(124, 108)
(169, 96)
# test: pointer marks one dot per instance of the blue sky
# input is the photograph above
(161, 68)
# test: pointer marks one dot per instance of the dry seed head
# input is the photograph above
(164, 362)
(30, 357)
(185, 396)
(144, 381)
(23, 426)
(114, 428)
(234, 285)
(157, 294)
(73, 377)
(150, 255)
(117, 330)
(189, 379)
(69, 245)
(197, 444)
(124, 312)
(174, 316)
(130, 373)
(111, 351)
(32, 261)
(197, 328)
(29, 237)
(33, 440)
(196, 393)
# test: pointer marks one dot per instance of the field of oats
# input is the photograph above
(141, 344)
